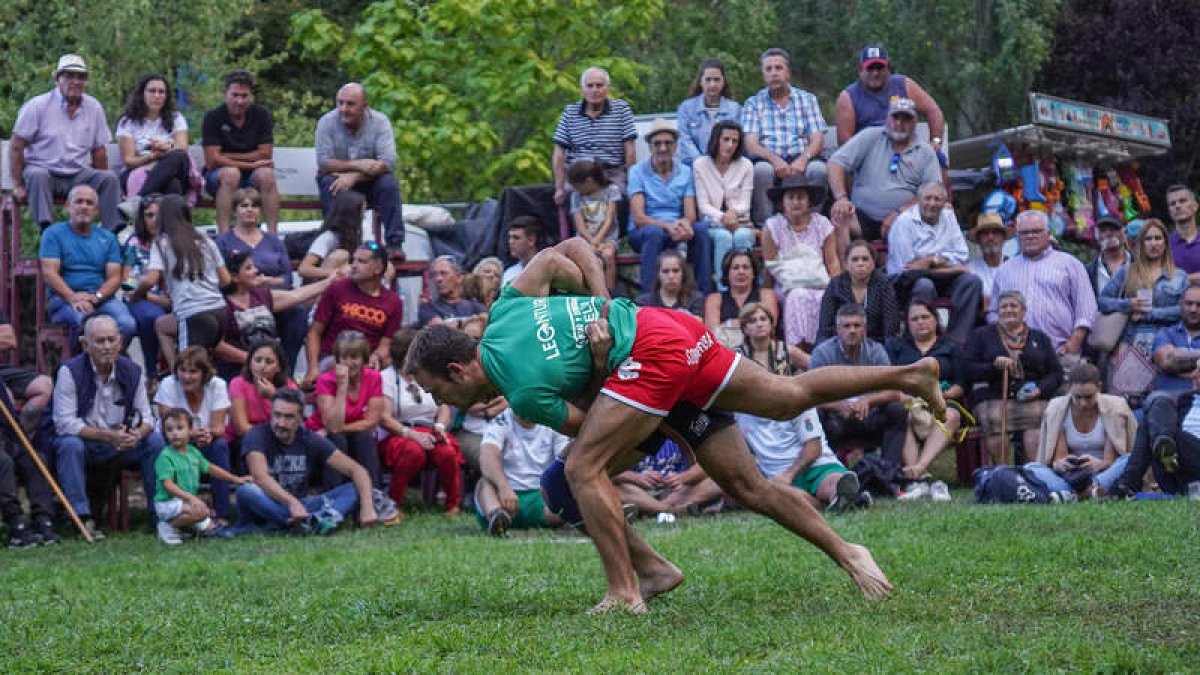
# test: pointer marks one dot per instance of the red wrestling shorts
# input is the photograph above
(674, 358)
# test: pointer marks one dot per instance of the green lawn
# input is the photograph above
(1087, 587)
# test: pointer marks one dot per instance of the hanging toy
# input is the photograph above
(1051, 187)
(1106, 199)
(1131, 180)
(1031, 176)
(1003, 165)
(1001, 203)
(1079, 186)
(1124, 197)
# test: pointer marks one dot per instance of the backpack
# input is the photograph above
(878, 475)
(1011, 485)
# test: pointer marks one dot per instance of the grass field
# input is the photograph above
(1087, 587)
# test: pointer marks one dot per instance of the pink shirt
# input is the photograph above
(732, 189)
(258, 408)
(356, 409)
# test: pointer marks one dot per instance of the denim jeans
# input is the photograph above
(257, 511)
(1103, 480)
(723, 241)
(144, 314)
(217, 453)
(650, 240)
(383, 195)
(73, 455)
(63, 314)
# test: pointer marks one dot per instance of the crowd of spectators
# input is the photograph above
(743, 218)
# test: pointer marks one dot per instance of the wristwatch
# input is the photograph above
(99, 297)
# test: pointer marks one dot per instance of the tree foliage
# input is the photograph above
(1140, 57)
(194, 44)
(474, 87)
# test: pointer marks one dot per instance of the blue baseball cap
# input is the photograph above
(872, 54)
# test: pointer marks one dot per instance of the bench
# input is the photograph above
(295, 173)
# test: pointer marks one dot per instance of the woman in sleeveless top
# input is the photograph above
(739, 275)
(1086, 437)
(759, 343)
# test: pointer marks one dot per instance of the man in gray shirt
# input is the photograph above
(356, 150)
(889, 165)
(58, 142)
(878, 418)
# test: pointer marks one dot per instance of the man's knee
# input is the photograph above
(817, 172)
(924, 288)
(264, 178)
(248, 493)
(69, 448)
(582, 466)
(229, 178)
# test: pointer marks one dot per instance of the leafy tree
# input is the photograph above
(192, 43)
(1140, 57)
(474, 87)
(735, 31)
(976, 57)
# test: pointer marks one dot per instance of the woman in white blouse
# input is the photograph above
(153, 139)
(195, 387)
(724, 183)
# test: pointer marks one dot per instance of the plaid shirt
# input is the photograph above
(783, 131)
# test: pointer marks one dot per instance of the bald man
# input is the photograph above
(357, 151)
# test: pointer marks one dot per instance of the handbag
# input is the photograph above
(804, 267)
(1107, 330)
(1130, 373)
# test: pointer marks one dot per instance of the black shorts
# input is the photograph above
(693, 426)
(17, 380)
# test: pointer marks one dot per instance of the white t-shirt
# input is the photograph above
(189, 296)
(405, 406)
(216, 397)
(325, 243)
(512, 271)
(777, 445)
(147, 130)
(524, 453)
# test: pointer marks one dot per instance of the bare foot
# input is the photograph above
(611, 605)
(865, 573)
(660, 581)
(921, 381)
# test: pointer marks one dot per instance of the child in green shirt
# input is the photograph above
(178, 470)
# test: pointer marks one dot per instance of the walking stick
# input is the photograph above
(37, 459)
(1003, 416)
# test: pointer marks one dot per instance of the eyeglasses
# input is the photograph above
(1030, 233)
(895, 164)
(662, 144)
(75, 76)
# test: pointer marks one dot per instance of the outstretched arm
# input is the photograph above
(571, 265)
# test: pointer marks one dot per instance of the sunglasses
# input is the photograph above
(414, 391)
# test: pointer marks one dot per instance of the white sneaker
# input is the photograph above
(939, 492)
(167, 534)
(914, 491)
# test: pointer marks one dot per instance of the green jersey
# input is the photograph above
(535, 350)
(183, 469)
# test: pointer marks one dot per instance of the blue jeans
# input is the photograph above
(383, 195)
(217, 453)
(257, 511)
(650, 240)
(723, 241)
(63, 314)
(144, 314)
(73, 455)
(1103, 480)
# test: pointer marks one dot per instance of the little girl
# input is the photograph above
(594, 212)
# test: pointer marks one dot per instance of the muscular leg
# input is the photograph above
(609, 430)
(753, 390)
(728, 461)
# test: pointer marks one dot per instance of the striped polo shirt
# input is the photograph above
(601, 138)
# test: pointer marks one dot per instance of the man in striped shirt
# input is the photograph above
(597, 128)
(1055, 284)
(785, 131)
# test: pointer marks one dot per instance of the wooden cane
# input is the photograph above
(12, 423)
(1003, 415)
